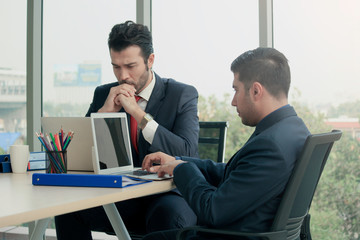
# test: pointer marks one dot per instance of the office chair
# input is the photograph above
(298, 194)
(212, 140)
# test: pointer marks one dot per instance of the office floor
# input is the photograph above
(21, 233)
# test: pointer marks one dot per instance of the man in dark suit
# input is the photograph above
(244, 194)
(162, 116)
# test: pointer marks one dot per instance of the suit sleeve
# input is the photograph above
(260, 176)
(100, 95)
(182, 137)
(213, 172)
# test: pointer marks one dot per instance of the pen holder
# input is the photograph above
(56, 162)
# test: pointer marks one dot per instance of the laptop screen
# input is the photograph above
(112, 147)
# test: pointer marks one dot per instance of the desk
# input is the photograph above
(22, 202)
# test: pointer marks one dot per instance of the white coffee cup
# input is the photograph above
(19, 158)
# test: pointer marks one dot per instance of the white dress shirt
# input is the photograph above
(150, 128)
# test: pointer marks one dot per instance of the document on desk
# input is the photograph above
(85, 180)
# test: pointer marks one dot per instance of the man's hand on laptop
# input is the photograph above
(167, 163)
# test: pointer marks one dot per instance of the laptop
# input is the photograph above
(112, 147)
(79, 150)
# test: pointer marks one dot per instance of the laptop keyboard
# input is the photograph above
(141, 172)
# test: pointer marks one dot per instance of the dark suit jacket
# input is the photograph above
(174, 107)
(244, 194)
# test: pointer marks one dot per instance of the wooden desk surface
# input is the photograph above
(23, 202)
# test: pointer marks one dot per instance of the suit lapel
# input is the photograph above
(152, 107)
(156, 98)
(252, 135)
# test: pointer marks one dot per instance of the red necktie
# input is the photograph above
(133, 129)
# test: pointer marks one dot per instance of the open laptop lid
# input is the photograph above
(79, 150)
(112, 147)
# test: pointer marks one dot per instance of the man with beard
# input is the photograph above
(244, 194)
(165, 112)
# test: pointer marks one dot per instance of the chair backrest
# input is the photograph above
(301, 187)
(212, 139)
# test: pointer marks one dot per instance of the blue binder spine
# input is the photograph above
(84, 180)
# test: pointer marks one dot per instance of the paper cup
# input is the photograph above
(19, 158)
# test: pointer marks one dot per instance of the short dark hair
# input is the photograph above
(267, 66)
(128, 34)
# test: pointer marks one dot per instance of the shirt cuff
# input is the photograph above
(149, 131)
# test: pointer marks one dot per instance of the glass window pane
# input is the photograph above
(196, 41)
(76, 57)
(12, 73)
(321, 40)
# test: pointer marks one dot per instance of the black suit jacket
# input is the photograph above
(244, 194)
(174, 107)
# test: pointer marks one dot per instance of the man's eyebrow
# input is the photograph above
(127, 64)
(131, 63)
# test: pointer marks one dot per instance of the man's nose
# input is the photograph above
(233, 102)
(124, 75)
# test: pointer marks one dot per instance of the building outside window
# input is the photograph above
(12, 73)
(75, 53)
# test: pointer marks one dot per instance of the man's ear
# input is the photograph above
(257, 90)
(150, 61)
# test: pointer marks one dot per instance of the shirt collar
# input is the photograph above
(146, 93)
(274, 117)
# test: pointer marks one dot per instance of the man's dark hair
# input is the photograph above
(131, 34)
(267, 66)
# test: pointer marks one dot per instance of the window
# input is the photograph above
(75, 53)
(196, 41)
(319, 38)
(12, 73)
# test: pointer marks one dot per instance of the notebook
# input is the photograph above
(112, 147)
(79, 151)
